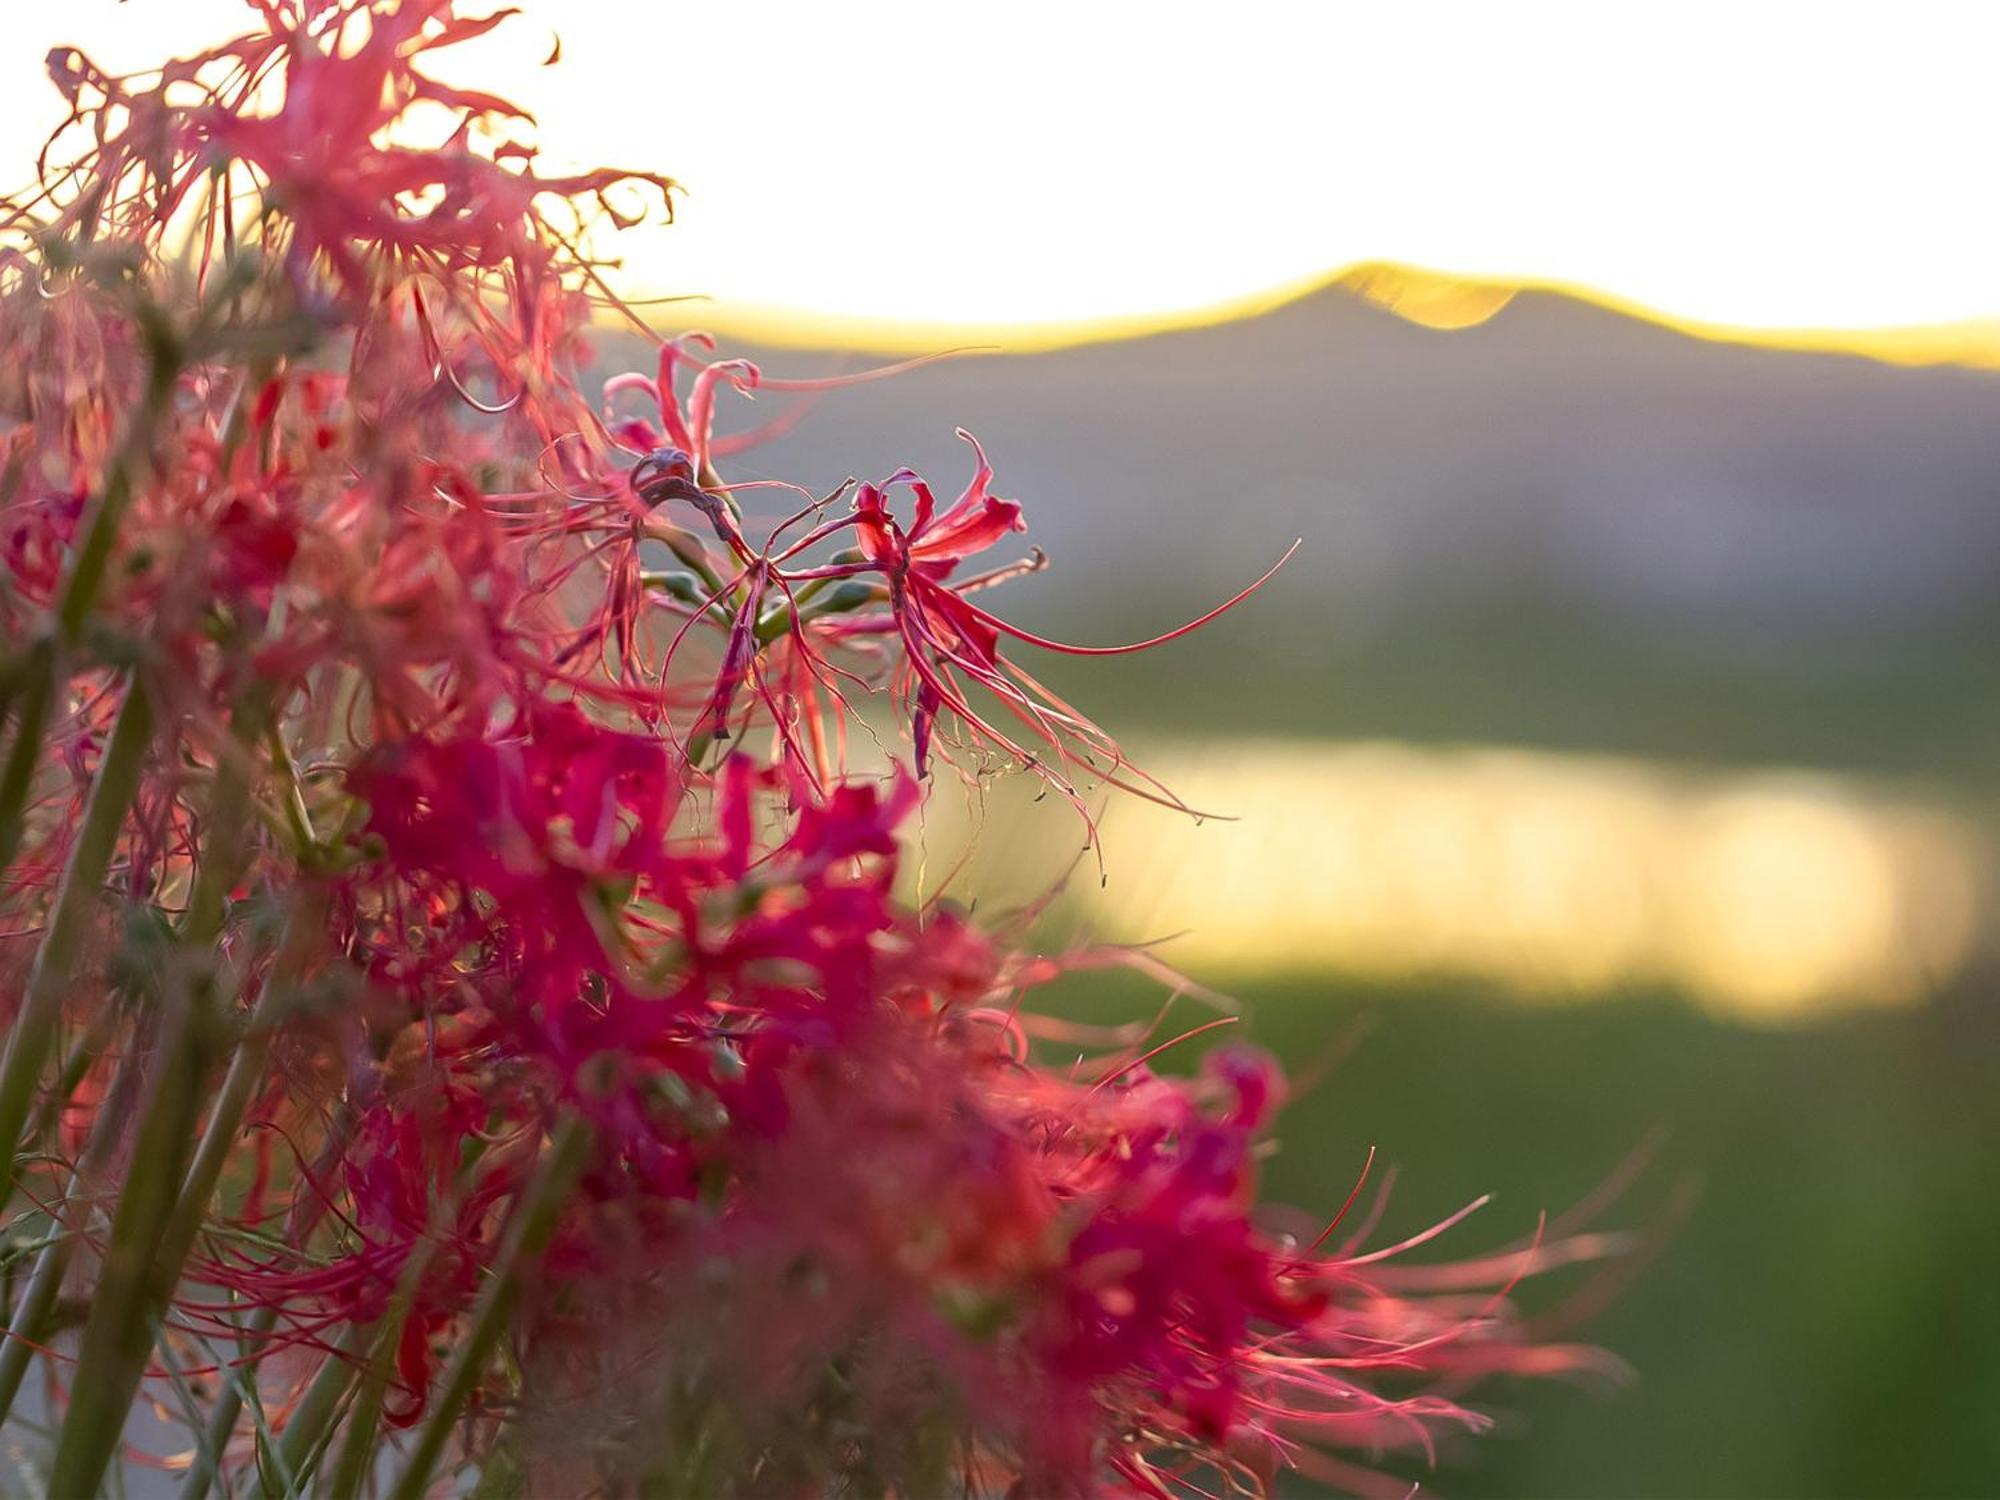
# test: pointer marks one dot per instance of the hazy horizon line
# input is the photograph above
(1430, 297)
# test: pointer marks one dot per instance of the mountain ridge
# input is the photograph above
(1558, 450)
(1431, 298)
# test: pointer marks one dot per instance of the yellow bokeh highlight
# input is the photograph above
(1768, 896)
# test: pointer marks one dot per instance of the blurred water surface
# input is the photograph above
(1769, 895)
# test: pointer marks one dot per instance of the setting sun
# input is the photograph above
(1040, 169)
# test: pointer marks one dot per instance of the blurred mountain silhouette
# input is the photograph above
(1560, 473)
(1556, 451)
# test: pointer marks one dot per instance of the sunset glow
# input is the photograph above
(1042, 170)
(1772, 897)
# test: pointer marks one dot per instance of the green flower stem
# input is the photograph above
(130, 1292)
(36, 694)
(46, 667)
(218, 1137)
(528, 1233)
(93, 558)
(189, 1213)
(306, 1430)
(298, 820)
(222, 1416)
(241, 1082)
(74, 1069)
(229, 807)
(225, 849)
(33, 1034)
(229, 811)
(52, 1264)
(163, 1349)
(364, 1417)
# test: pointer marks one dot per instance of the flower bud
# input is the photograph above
(684, 588)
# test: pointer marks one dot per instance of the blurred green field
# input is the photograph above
(1825, 1319)
(1923, 706)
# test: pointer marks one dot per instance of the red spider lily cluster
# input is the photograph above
(463, 1019)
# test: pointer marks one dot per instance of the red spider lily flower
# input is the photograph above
(779, 614)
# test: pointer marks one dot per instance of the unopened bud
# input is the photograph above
(684, 587)
(773, 623)
(849, 593)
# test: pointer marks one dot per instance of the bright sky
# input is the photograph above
(1763, 165)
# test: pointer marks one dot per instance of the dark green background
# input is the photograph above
(1823, 1320)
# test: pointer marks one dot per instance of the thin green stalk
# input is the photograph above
(46, 667)
(224, 847)
(307, 1428)
(25, 753)
(168, 1194)
(357, 1449)
(33, 1034)
(298, 820)
(528, 1232)
(52, 1264)
(130, 1290)
(229, 809)
(222, 1417)
(218, 1136)
(91, 560)
(69, 1078)
(242, 1383)
(246, 1065)
(163, 1347)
